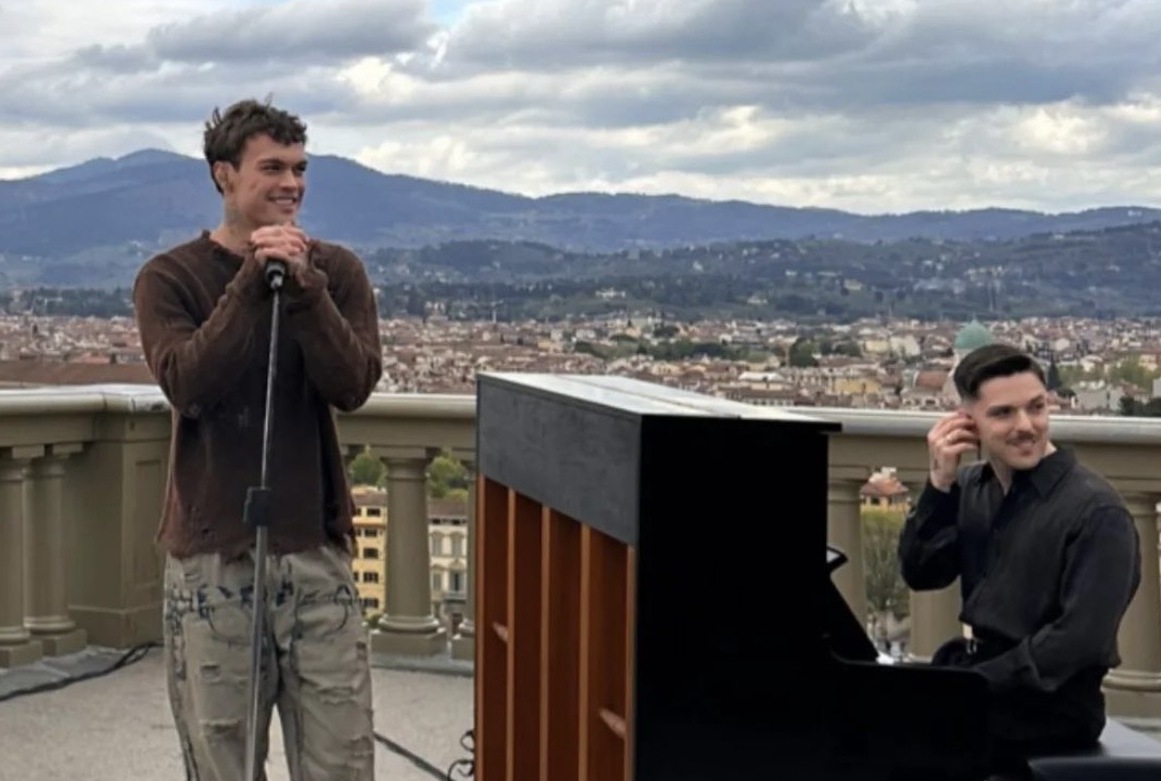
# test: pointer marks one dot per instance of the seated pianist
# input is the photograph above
(1047, 555)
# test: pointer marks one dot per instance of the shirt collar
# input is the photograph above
(1044, 476)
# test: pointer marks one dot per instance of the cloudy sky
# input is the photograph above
(867, 105)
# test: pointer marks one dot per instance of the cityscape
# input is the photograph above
(1095, 366)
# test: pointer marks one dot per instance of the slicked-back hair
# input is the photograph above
(991, 361)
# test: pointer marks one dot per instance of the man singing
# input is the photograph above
(203, 311)
(1047, 555)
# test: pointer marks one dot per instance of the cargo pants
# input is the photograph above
(315, 668)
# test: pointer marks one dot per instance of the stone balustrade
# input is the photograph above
(82, 470)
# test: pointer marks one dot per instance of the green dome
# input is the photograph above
(972, 336)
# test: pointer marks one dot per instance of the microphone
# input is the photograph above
(275, 273)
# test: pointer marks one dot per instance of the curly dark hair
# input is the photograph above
(228, 131)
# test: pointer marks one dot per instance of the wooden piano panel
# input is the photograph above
(491, 550)
(560, 646)
(554, 670)
(603, 669)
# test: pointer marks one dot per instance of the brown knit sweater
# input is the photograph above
(203, 313)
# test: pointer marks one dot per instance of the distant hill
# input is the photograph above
(1109, 273)
(98, 220)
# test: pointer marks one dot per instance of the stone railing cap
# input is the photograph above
(148, 399)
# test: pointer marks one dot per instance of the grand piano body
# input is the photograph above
(742, 658)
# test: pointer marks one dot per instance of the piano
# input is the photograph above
(653, 605)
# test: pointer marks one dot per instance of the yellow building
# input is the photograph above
(856, 386)
(447, 527)
(370, 563)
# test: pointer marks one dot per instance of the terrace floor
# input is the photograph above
(118, 727)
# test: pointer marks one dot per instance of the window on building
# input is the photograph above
(370, 553)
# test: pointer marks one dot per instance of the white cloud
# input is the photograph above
(869, 105)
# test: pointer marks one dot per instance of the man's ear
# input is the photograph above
(222, 176)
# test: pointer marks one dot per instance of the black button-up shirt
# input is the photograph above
(1047, 570)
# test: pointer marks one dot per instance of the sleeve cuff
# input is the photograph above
(1010, 670)
(306, 288)
(931, 497)
(249, 284)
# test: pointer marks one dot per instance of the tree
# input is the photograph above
(1053, 380)
(447, 478)
(802, 353)
(887, 594)
(1129, 407)
(367, 469)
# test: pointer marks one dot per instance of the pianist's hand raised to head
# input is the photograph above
(949, 439)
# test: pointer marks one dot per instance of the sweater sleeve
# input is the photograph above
(195, 364)
(335, 319)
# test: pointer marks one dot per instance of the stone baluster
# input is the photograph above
(45, 576)
(934, 621)
(844, 530)
(1134, 688)
(934, 614)
(464, 642)
(408, 627)
(17, 647)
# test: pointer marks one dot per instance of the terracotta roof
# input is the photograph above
(447, 508)
(885, 487)
(931, 379)
(39, 373)
(367, 496)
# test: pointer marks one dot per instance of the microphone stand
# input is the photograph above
(257, 516)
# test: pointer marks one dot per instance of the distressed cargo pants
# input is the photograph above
(315, 665)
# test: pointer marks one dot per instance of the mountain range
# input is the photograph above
(101, 218)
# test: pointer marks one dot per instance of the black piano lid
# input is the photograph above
(579, 442)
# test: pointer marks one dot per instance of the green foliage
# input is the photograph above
(1135, 408)
(1131, 371)
(79, 302)
(1099, 273)
(886, 591)
(367, 469)
(1128, 370)
(683, 349)
(802, 354)
(447, 478)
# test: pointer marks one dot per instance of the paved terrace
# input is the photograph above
(81, 478)
(118, 727)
